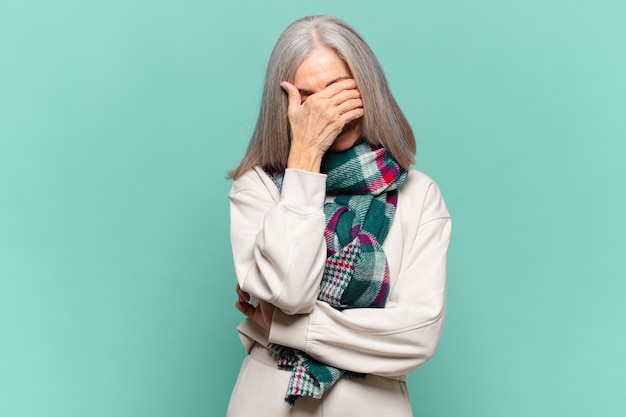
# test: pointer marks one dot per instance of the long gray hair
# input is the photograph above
(384, 123)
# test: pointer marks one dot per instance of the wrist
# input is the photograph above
(307, 160)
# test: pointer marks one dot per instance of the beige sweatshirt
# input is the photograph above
(279, 254)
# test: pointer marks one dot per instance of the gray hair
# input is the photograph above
(384, 123)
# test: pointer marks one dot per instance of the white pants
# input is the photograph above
(261, 387)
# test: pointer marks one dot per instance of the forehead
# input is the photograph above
(319, 68)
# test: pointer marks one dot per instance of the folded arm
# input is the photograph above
(278, 239)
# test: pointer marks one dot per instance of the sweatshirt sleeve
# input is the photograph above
(394, 340)
(278, 238)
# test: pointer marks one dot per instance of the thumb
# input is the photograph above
(292, 93)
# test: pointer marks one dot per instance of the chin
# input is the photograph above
(342, 144)
(347, 138)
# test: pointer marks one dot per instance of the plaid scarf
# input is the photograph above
(365, 182)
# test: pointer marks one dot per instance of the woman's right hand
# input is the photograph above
(317, 120)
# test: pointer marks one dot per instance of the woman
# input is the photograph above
(339, 247)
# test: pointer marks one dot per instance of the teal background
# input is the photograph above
(120, 119)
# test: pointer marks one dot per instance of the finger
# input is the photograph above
(339, 86)
(239, 306)
(267, 311)
(355, 103)
(245, 308)
(351, 115)
(339, 116)
(332, 130)
(243, 295)
(342, 96)
(240, 292)
(292, 94)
